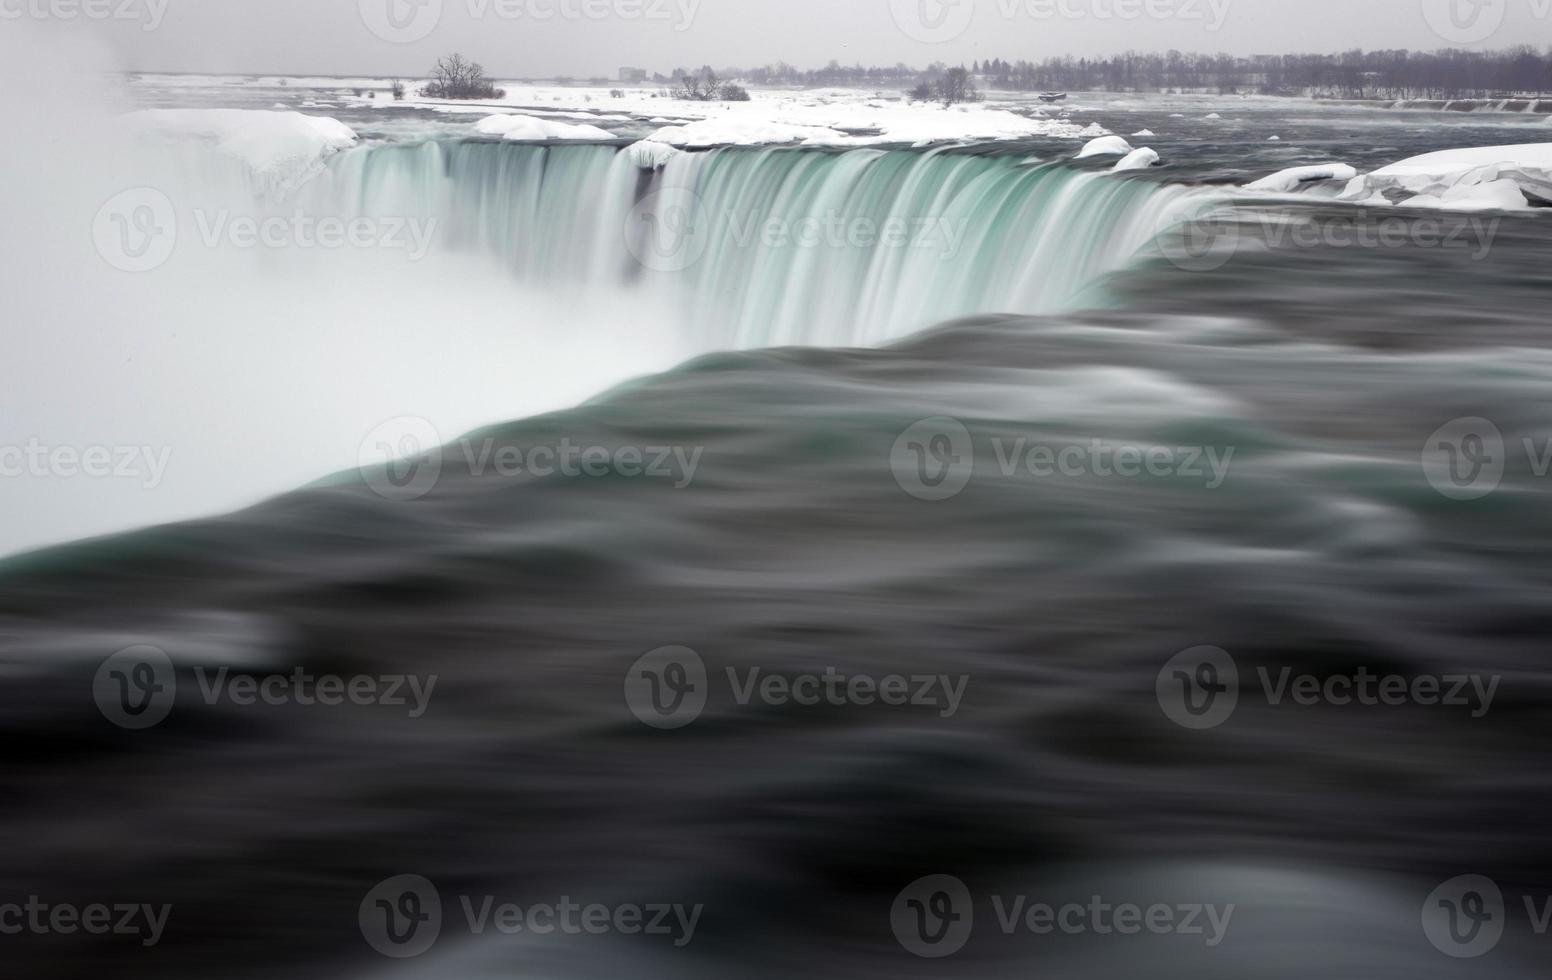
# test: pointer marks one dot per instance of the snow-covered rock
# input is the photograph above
(1526, 156)
(1475, 178)
(530, 129)
(1139, 159)
(1287, 181)
(651, 155)
(1105, 145)
(1493, 195)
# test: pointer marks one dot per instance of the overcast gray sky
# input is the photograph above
(595, 37)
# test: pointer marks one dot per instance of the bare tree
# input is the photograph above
(957, 86)
(456, 77)
(704, 86)
(700, 86)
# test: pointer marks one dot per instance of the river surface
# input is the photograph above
(1102, 515)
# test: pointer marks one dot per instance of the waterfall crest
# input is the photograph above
(772, 246)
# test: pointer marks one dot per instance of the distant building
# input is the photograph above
(633, 76)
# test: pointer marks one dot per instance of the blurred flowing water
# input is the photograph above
(766, 247)
(809, 538)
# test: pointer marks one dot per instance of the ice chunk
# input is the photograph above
(1145, 133)
(1105, 145)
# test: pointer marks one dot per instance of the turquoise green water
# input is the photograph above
(763, 247)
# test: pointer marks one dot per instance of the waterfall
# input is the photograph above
(772, 246)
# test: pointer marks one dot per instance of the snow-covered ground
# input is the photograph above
(836, 117)
(286, 145)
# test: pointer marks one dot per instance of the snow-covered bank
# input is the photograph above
(282, 149)
(1509, 178)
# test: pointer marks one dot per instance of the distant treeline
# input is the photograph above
(1401, 74)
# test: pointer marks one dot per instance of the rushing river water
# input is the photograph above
(1127, 463)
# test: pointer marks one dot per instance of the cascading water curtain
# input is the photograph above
(765, 247)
